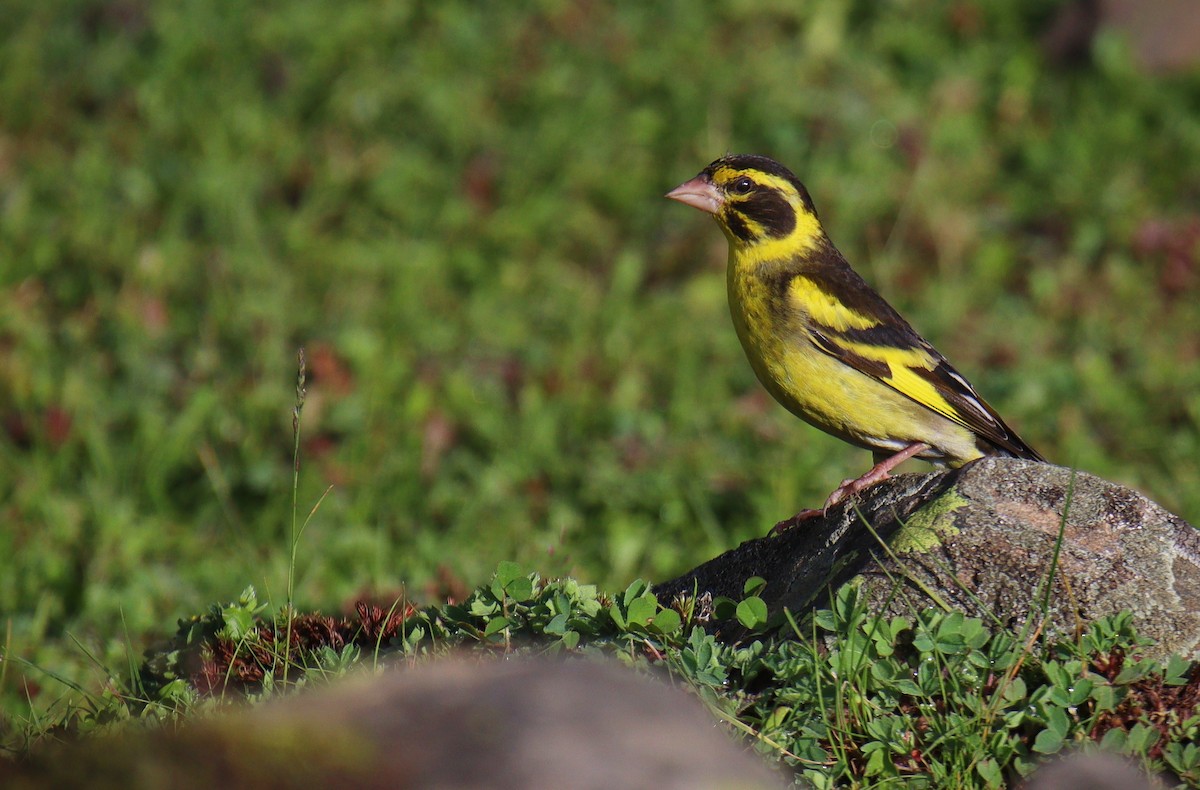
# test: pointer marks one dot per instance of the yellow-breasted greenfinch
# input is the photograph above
(824, 343)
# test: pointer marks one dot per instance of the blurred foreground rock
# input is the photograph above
(981, 540)
(452, 724)
(1091, 771)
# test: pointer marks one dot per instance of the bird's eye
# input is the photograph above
(742, 186)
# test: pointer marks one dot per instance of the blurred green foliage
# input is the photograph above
(517, 349)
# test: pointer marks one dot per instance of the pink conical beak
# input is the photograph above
(698, 193)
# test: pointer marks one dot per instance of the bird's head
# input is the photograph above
(755, 200)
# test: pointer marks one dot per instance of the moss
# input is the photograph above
(926, 528)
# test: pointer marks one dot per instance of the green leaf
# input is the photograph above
(667, 621)
(634, 591)
(482, 607)
(1104, 697)
(249, 599)
(1080, 692)
(989, 770)
(752, 612)
(753, 585)
(1177, 671)
(238, 623)
(826, 621)
(1142, 738)
(777, 717)
(845, 605)
(887, 671)
(929, 678)
(1184, 759)
(618, 618)
(1015, 691)
(413, 638)
(519, 589)
(557, 625)
(495, 625)
(701, 644)
(507, 571)
(724, 607)
(1113, 740)
(641, 610)
(878, 761)
(1056, 720)
(1048, 742)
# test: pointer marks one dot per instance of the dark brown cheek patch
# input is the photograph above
(771, 210)
(737, 226)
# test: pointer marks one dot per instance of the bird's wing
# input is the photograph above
(851, 322)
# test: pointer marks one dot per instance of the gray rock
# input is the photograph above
(984, 540)
(1091, 771)
(466, 723)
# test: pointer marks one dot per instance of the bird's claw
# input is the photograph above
(876, 474)
(849, 488)
(794, 521)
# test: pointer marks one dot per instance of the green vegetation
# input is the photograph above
(935, 699)
(517, 350)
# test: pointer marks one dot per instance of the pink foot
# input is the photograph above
(794, 521)
(876, 474)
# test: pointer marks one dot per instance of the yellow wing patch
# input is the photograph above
(905, 364)
(824, 308)
(897, 365)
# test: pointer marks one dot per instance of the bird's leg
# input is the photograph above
(876, 474)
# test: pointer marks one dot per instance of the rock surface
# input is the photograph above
(984, 540)
(450, 724)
